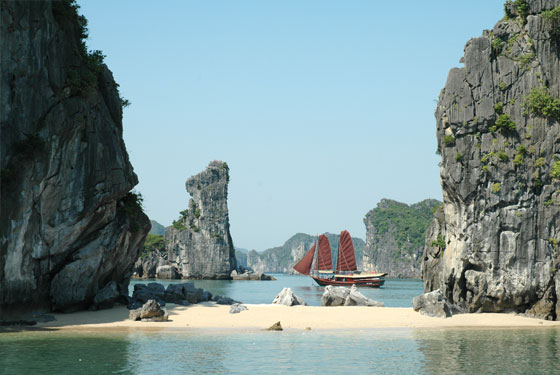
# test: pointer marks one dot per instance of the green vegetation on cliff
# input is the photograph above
(406, 223)
(153, 242)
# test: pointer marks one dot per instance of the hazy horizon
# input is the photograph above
(320, 108)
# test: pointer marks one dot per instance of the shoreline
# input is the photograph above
(212, 317)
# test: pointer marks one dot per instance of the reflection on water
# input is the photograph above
(62, 353)
(381, 351)
(490, 351)
(395, 292)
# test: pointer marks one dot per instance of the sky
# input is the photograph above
(320, 108)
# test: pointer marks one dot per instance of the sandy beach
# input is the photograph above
(210, 315)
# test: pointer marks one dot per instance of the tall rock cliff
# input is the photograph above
(69, 225)
(281, 259)
(199, 244)
(395, 235)
(494, 246)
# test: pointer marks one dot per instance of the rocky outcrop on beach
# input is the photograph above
(281, 259)
(70, 225)
(151, 311)
(432, 304)
(288, 298)
(275, 327)
(494, 245)
(236, 308)
(395, 236)
(343, 296)
(180, 294)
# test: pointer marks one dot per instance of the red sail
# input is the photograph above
(324, 259)
(346, 257)
(304, 265)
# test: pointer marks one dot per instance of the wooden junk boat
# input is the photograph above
(346, 273)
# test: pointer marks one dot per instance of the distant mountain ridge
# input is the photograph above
(157, 228)
(281, 259)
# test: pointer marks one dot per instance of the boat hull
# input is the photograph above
(365, 282)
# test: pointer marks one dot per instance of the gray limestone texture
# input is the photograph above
(494, 244)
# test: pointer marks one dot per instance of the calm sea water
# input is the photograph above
(379, 351)
(394, 293)
(374, 351)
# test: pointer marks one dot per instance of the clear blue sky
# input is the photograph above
(320, 108)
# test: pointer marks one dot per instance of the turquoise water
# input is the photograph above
(373, 351)
(382, 351)
(395, 292)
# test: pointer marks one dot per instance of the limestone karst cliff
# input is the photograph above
(395, 234)
(281, 259)
(198, 245)
(69, 225)
(494, 246)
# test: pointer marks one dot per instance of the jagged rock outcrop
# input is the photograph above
(199, 244)
(69, 225)
(281, 259)
(494, 244)
(395, 236)
(288, 298)
(432, 304)
(153, 256)
(343, 296)
(151, 311)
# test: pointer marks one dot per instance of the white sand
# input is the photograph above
(210, 315)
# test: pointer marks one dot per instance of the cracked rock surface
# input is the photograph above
(68, 225)
(494, 244)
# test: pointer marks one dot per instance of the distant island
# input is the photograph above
(396, 235)
(281, 259)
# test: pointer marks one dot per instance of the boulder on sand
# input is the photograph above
(275, 327)
(236, 308)
(355, 298)
(433, 304)
(288, 298)
(151, 311)
(342, 296)
(334, 296)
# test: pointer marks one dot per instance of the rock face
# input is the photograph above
(198, 245)
(154, 255)
(69, 225)
(395, 236)
(288, 298)
(202, 247)
(494, 245)
(281, 259)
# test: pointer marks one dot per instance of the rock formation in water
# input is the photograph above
(198, 245)
(395, 235)
(281, 259)
(494, 246)
(70, 226)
